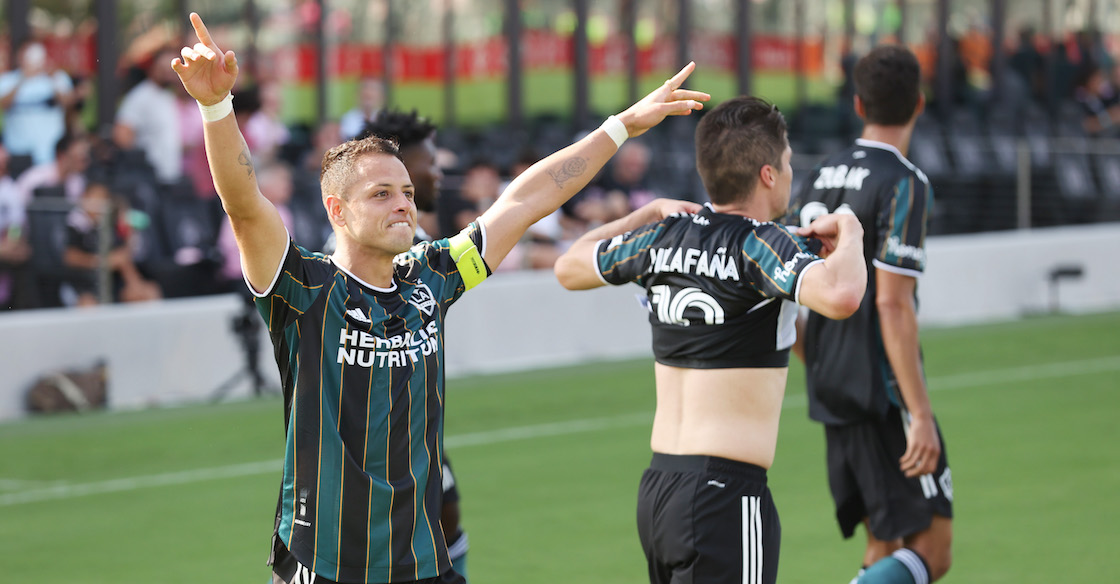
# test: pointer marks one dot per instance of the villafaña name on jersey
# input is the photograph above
(694, 261)
(841, 177)
(365, 350)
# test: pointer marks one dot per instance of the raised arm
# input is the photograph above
(546, 185)
(576, 269)
(835, 288)
(209, 75)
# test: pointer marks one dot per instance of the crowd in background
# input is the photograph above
(138, 203)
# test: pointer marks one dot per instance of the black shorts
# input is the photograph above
(707, 519)
(866, 480)
(286, 569)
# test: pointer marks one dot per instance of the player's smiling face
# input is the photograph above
(380, 209)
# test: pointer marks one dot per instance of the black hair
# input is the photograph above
(733, 142)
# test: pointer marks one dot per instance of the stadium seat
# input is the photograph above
(188, 237)
(46, 232)
(17, 163)
(57, 192)
(1107, 167)
(1076, 186)
(927, 151)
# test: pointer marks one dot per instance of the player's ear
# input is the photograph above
(768, 175)
(857, 103)
(921, 107)
(333, 204)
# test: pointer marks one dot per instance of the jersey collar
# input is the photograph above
(882, 146)
(392, 288)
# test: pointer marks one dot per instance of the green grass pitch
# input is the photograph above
(548, 464)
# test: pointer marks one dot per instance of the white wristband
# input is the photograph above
(213, 113)
(616, 130)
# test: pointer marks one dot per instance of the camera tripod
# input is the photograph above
(246, 325)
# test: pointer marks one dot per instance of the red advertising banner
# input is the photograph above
(488, 58)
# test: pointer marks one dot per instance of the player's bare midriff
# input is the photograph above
(731, 413)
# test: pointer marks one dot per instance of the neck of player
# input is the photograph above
(374, 268)
(897, 136)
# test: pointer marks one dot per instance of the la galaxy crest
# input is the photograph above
(422, 298)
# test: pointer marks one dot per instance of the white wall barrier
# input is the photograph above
(181, 351)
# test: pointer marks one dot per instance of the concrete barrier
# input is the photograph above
(181, 351)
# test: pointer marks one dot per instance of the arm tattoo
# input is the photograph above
(571, 168)
(245, 160)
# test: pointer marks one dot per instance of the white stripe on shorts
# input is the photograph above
(929, 486)
(752, 540)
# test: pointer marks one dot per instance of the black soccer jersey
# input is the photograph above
(362, 373)
(849, 377)
(720, 288)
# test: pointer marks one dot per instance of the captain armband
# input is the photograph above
(471, 266)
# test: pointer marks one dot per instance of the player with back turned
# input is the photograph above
(722, 283)
(887, 466)
(358, 334)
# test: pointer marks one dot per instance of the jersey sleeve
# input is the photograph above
(776, 259)
(901, 224)
(298, 281)
(456, 263)
(625, 258)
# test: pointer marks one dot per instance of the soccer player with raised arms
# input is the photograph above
(722, 282)
(887, 466)
(358, 334)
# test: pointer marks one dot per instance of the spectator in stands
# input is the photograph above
(1099, 101)
(625, 186)
(481, 185)
(83, 243)
(264, 131)
(34, 98)
(1029, 64)
(66, 170)
(371, 98)
(148, 119)
(14, 250)
(326, 136)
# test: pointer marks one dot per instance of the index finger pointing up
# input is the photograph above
(202, 33)
(676, 81)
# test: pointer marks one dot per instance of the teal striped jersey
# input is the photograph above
(362, 374)
(848, 376)
(721, 289)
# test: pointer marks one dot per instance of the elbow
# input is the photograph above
(569, 274)
(844, 302)
(889, 306)
(565, 276)
(848, 303)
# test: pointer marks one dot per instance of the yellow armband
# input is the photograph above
(471, 266)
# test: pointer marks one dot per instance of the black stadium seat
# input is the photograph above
(17, 163)
(46, 232)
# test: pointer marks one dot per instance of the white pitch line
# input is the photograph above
(1026, 373)
(67, 491)
(958, 381)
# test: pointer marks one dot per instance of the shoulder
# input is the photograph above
(418, 258)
